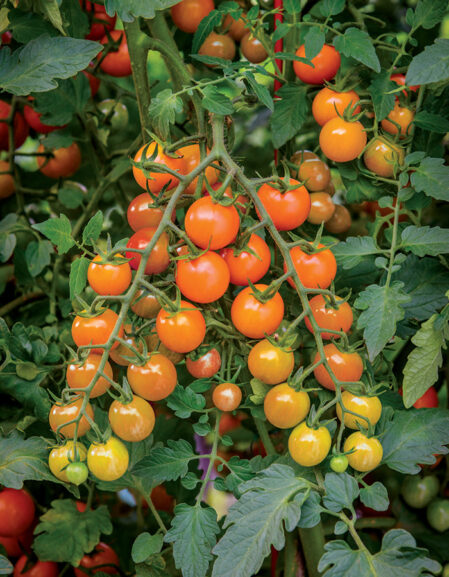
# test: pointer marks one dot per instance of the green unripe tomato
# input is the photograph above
(115, 113)
(418, 492)
(445, 571)
(77, 473)
(339, 464)
(27, 163)
(438, 515)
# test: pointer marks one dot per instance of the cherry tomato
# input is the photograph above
(328, 104)
(218, 46)
(340, 221)
(347, 367)
(205, 366)
(103, 560)
(77, 473)
(227, 397)
(210, 224)
(94, 82)
(61, 414)
(117, 62)
(115, 114)
(367, 452)
(182, 331)
(155, 380)
(33, 119)
(156, 181)
(312, 170)
(248, 264)
(142, 213)
(235, 28)
(269, 363)
(188, 14)
(284, 407)
(382, 157)
(145, 305)
(20, 127)
(325, 65)
(16, 546)
(155, 345)
(100, 21)
(253, 318)
(401, 116)
(287, 210)
(322, 207)
(61, 456)
(159, 258)
(438, 515)
(307, 446)
(241, 202)
(342, 141)
(80, 375)
(327, 317)
(108, 461)
(339, 463)
(204, 279)
(418, 491)
(16, 512)
(109, 278)
(428, 401)
(124, 352)
(7, 186)
(253, 49)
(368, 407)
(95, 330)
(192, 157)
(132, 421)
(39, 569)
(64, 162)
(161, 499)
(315, 270)
(400, 80)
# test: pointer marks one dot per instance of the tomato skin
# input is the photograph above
(428, 401)
(145, 305)
(16, 512)
(400, 80)
(253, 318)
(183, 331)
(402, 116)
(248, 265)
(157, 180)
(155, 380)
(253, 49)
(368, 452)
(369, 407)
(80, 375)
(103, 560)
(7, 186)
(77, 473)
(339, 463)
(270, 364)
(61, 456)
(380, 157)
(316, 270)
(94, 82)
(159, 258)
(342, 141)
(115, 114)
(95, 330)
(284, 407)
(20, 127)
(133, 421)
(100, 21)
(117, 62)
(218, 46)
(347, 367)
(191, 158)
(438, 515)
(418, 492)
(205, 366)
(60, 414)
(161, 499)
(108, 278)
(65, 161)
(325, 65)
(307, 446)
(322, 207)
(329, 318)
(188, 14)
(33, 120)
(287, 210)
(39, 569)
(211, 225)
(328, 104)
(312, 171)
(235, 28)
(227, 397)
(340, 221)
(204, 279)
(155, 345)
(108, 461)
(16, 546)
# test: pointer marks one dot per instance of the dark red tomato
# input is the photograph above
(39, 569)
(253, 318)
(117, 62)
(312, 171)
(218, 46)
(6, 38)
(322, 207)
(34, 120)
(20, 127)
(205, 366)
(325, 65)
(316, 270)
(253, 49)
(7, 186)
(288, 210)
(211, 225)
(16, 512)
(204, 279)
(142, 212)
(103, 560)
(188, 14)
(428, 401)
(161, 499)
(17, 546)
(94, 82)
(159, 258)
(400, 80)
(249, 264)
(100, 21)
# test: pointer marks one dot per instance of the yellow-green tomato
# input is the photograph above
(61, 457)
(308, 446)
(368, 407)
(115, 114)
(367, 452)
(108, 461)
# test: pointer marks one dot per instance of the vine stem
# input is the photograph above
(212, 457)
(155, 513)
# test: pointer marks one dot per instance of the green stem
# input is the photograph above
(312, 543)
(290, 564)
(264, 436)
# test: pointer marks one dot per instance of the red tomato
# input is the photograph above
(64, 162)
(315, 270)
(204, 279)
(227, 397)
(428, 401)
(142, 213)
(328, 104)
(205, 366)
(33, 119)
(117, 62)
(20, 127)
(109, 278)
(287, 210)
(218, 46)
(159, 258)
(182, 331)
(400, 80)
(188, 14)
(339, 319)
(61, 414)
(133, 421)
(250, 263)
(155, 380)
(161, 499)
(253, 318)
(100, 21)
(39, 569)
(156, 181)
(79, 376)
(192, 157)
(94, 82)
(16, 512)
(16, 546)
(210, 224)
(342, 141)
(253, 49)
(347, 367)
(95, 330)
(325, 65)
(103, 560)
(7, 186)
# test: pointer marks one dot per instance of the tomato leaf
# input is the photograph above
(206, 26)
(239, 472)
(292, 6)
(379, 89)
(78, 276)
(131, 9)
(28, 392)
(59, 106)
(261, 91)
(331, 7)
(431, 122)
(163, 109)
(38, 256)
(432, 177)
(341, 491)
(375, 496)
(290, 112)
(76, 21)
(431, 65)
(216, 102)
(428, 13)
(313, 42)
(425, 240)
(26, 26)
(6, 567)
(59, 231)
(351, 252)
(92, 230)
(184, 401)
(145, 546)
(358, 45)
(311, 511)
(50, 9)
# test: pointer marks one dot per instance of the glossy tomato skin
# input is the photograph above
(103, 560)
(322, 208)
(141, 213)
(159, 258)
(307, 446)
(108, 461)
(270, 364)
(218, 46)
(17, 546)
(340, 221)
(117, 62)
(418, 491)
(312, 171)
(33, 119)
(334, 319)
(347, 367)
(95, 330)
(227, 397)
(342, 141)
(381, 157)
(61, 414)
(316, 270)
(288, 210)
(235, 28)
(211, 225)
(157, 180)
(191, 158)
(155, 380)
(7, 186)
(16, 512)
(248, 265)
(108, 278)
(39, 569)
(253, 49)
(20, 127)
(183, 331)
(367, 452)
(325, 65)
(80, 375)
(368, 407)
(438, 515)
(61, 456)
(132, 421)
(339, 463)
(428, 401)
(204, 279)
(145, 305)
(188, 14)
(284, 407)
(253, 318)
(100, 21)
(205, 366)
(65, 161)
(401, 116)
(328, 104)
(155, 345)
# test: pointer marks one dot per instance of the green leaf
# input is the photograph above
(7, 245)
(78, 276)
(429, 13)
(50, 8)
(261, 91)
(314, 42)
(424, 240)
(292, 6)
(358, 45)
(193, 534)
(64, 534)
(145, 546)
(351, 252)
(379, 89)
(290, 113)
(36, 66)
(311, 511)
(70, 196)
(432, 177)
(184, 402)
(26, 26)
(59, 106)
(163, 109)
(382, 309)
(131, 9)
(431, 122)
(59, 231)
(75, 20)
(431, 65)
(38, 256)
(375, 496)
(206, 26)
(239, 472)
(341, 491)
(216, 102)
(332, 7)
(6, 567)
(29, 393)
(92, 230)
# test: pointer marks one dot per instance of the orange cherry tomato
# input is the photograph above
(322, 207)
(122, 352)
(145, 305)
(340, 221)
(308, 446)
(284, 407)
(210, 224)
(17, 512)
(155, 380)
(205, 366)
(325, 65)
(401, 116)
(253, 318)
(188, 14)
(142, 213)
(159, 258)
(251, 264)
(204, 279)
(20, 127)
(241, 202)
(269, 363)
(192, 157)
(95, 330)
(7, 186)
(312, 170)
(155, 345)
(65, 161)
(342, 141)
(383, 158)
(62, 414)
(367, 452)
(227, 397)
(62, 455)
(347, 367)
(315, 270)
(328, 104)
(109, 278)
(368, 407)
(287, 210)
(132, 421)
(253, 49)
(235, 28)
(339, 319)
(218, 46)
(182, 331)
(155, 181)
(117, 62)
(79, 376)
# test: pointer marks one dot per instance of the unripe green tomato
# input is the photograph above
(27, 163)
(445, 570)
(438, 515)
(339, 464)
(418, 492)
(116, 114)
(77, 473)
